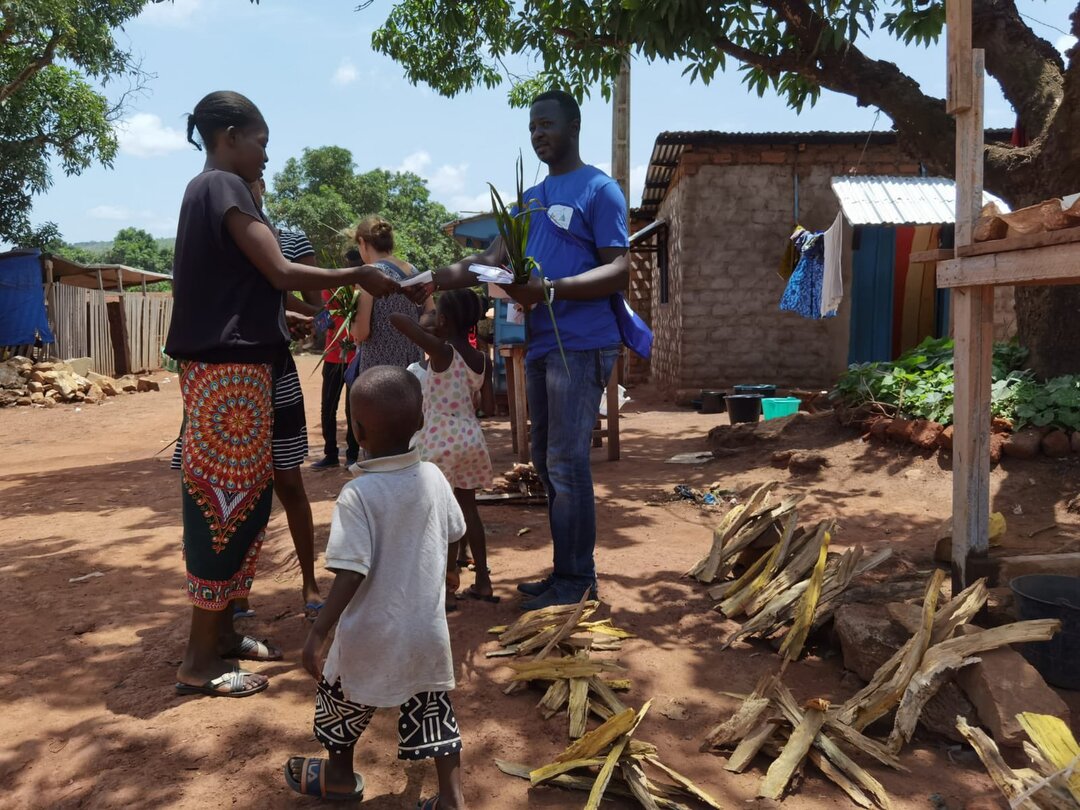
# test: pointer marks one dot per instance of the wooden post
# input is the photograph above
(960, 90)
(613, 450)
(620, 129)
(521, 405)
(969, 156)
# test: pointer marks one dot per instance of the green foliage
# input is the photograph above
(1055, 403)
(919, 383)
(136, 248)
(454, 47)
(321, 194)
(48, 48)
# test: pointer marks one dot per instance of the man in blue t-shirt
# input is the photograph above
(578, 237)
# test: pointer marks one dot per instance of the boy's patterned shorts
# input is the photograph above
(427, 726)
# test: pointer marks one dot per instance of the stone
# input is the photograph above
(945, 439)
(10, 376)
(782, 458)
(1056, 444)
(37, 397)
(1066, 564)
(67, 384)
(925, 434)
(879, 428)
(94, 394)
(81, 365)
(147, 384)
(9, 397)
(127, 384)
(1001, 425)
(24, 401)
(106, 384)
(1026, 443)
(802, 462)
(869, 636)
(35, 387)
(997, 446)
(44, 366)
(48, 403)
(1001, 685)
(37, 376)
(83, 383)
(900, 429)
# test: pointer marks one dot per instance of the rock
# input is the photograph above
(81, 365)
(48, 403)
(9, 397)
(106, 384)
(37, 376)
(147, 384)
(10, 376)
(945, 439)
(37, 397)
(1066, 564)
(67, 384)
(1003, 684)
(782, 458)
(1001, 425)
(807, 462)
(997, 446)
(127, 384)
(869, 637)
(925, 434)
(879, 428)
(1056, 444)
(24, 401)
(900, 429)
(1026, 443)
(44, 366)
(83, 383)
(79, 396)
(94, 394)
(35, 387)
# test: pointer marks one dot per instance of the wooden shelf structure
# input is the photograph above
(972, 272)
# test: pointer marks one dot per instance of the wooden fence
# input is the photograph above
(147, 316)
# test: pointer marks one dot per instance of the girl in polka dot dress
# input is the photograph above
(452, 438)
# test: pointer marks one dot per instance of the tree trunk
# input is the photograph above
(1048, 325)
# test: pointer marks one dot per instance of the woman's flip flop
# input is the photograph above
(312, 781)
(472, 593)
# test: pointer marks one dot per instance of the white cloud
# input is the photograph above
(145, 135)
(467, 205)
(449, 179)
(1065, 43)
(415, 163)
(174, 14)
(111, 212)
(346, 73)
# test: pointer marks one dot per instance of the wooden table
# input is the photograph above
(514, 354)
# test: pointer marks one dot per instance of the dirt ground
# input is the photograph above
(90, 719)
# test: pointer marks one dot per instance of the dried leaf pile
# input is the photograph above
(576, 678)
(1053, 783)
(608, 761)
(771, 721)
(793, 585)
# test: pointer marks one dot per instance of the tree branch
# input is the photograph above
(35, 65)
(1060, 160)
(1028, 68)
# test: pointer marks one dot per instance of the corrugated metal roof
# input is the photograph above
(877, 200)
(669, 147)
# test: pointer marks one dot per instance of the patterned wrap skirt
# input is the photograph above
(228, 476)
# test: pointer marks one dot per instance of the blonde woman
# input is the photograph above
(380, 343)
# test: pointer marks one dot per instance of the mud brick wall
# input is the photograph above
(730, 211)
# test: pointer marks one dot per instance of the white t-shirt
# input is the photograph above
(393, 524)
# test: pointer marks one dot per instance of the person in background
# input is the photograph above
(578, 236)
(228, 331)
(335, 361)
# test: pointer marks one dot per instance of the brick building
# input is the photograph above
(716, 215)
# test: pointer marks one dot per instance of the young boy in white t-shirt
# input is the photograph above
(388, 549)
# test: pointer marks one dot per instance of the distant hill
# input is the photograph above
(103, 247)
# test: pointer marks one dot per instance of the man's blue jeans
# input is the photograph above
(563, 409)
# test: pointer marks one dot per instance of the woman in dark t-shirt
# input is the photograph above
(228, 328)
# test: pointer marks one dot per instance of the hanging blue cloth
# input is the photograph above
(22, 299)
(803, 293)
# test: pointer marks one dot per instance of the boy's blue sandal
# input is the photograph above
(429, 804)
(251, 649)
(312, 781)
(311, 610)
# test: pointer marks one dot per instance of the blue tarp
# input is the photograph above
(22, 301)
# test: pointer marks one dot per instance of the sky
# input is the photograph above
(309, 66)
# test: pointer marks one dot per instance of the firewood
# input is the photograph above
(605, 693)
(1004, 777)
(608, 768)
(795, 638)
(869, 746)
(760, 573)
(554, 668)
(745, 718)
(838, 778)
(579, 706)
(751, 745)
(795, 571)
(599, 738)
(783, 767)
(1056, 744)
(555, 698)
(889, 682)
(690, 788)
(638, 783)
(708, 568)
(954, 653)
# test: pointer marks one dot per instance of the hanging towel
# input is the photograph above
(803, 293)
(832, 284)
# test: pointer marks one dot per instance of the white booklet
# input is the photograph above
(419, 278)
(492, 275)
